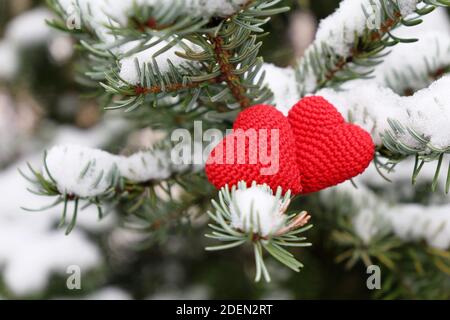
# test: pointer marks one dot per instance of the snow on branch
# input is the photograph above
(281, 81)
(351, 42)
(80, 171)
(375, 217)
(424, 116)
(411, 67)
(131, 65)
(103, 15)
(78, 174)
(256, 214)
(352, 19)
(143, 51)
(85, 172)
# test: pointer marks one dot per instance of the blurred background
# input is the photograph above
(42, 103)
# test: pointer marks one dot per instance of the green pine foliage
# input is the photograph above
(215, 83)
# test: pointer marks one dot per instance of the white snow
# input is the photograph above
(436, 21)
(145, 166)
(128, 69)
(30, 28)
(61, 48)
(9, 60)
(416, 63)
(34, 253)
(407, 7)
(429, 112)
(381, 213)
(257, 210)
(99, 14)
(283, 84)
(371, 105)
(9, 130)
(87, 172)
(340, 29)
(353, 17)
(31, 249)
(409, 222)
(416, 222)
(215, 7)
(80, 171)
(368, 223)
(109, 293)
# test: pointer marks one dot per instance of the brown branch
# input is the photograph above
(151, 24)
(227, 69)
(233, 81)
(139, 90)
(387, 26)
(339, 66)
(227, 75)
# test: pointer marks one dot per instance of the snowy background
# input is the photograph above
(41, 105)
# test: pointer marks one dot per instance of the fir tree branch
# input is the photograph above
(360, 53)
(322, 67)
(269, 229)
(175, 87)
(111, 180)
(228, 72)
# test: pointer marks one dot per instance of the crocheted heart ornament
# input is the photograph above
(329, 150)
(261, 148)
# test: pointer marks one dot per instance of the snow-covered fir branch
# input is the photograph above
(352, 19)
(352, 41)
(86, 173)
(144, 51)
(375, 216)
(91, 177)
(102, 15)
(32, 238)
(196, 59)
(411, 67)
(282, 83)
(254, 213)
(426, 113)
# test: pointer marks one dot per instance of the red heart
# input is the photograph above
(329, 150)
(242, 165)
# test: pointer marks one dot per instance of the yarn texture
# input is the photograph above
(261, 120)
(317, 149)
(329, 150)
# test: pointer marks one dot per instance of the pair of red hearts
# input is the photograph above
(317, 149)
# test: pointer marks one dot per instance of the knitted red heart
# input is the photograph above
(261, 148)
(329, 150)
